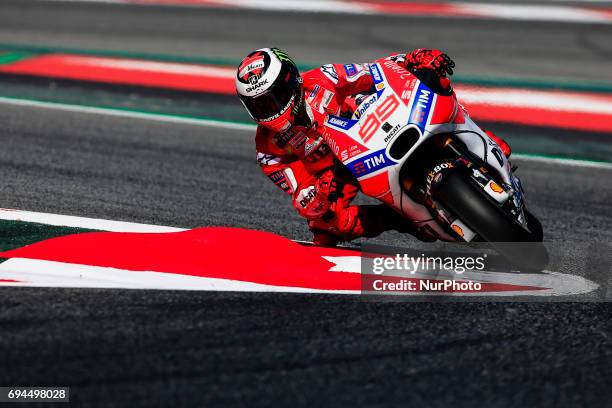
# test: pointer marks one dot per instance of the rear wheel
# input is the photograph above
(466, 201)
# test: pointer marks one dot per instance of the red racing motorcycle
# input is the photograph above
(412, 146)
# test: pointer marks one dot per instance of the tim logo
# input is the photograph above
(421, 106)
(370, 163)
(375, 162)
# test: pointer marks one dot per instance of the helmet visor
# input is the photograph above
(275, 101)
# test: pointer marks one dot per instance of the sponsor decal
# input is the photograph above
(479, 176)
(327, 98)
(253, 66)
(257, 85)
(496, 187)
(354, 71)
(281, 139)
(312, 145)
(306, 196)
(406, 94)
(280, 180)
(313, 93)
(348, 152)
(330, 72)
(267, 159)
(333, 144)
(316, 150)
(282, 112)
(395, 67)
(298, 140)
(421, 106)
(281, 55)
(457, 229)
(393, 132)
(350, 69)
(337, 121)
(376, 75)
(296, 136)
(365, 106)
(407, 91)
(436, 174)
(370, 163)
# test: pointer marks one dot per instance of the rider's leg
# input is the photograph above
(345, 222)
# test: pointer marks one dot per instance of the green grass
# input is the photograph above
(16, 234)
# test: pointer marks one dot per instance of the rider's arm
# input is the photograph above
(309, 193)
(352, 79)
(349, 79)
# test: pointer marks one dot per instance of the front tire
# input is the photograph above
(466, 201)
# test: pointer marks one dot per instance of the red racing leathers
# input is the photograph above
(302, 165)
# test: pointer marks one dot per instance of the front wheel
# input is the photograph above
(466, 201)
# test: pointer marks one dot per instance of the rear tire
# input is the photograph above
(466, 201)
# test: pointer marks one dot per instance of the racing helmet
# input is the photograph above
(270, 87)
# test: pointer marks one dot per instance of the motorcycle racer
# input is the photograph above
(290, 110)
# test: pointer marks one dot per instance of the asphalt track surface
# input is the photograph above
(145, 348)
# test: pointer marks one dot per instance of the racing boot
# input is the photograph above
(362, 221)
(324, 238)
(377, 219)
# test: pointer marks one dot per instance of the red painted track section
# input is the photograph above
(416, 9)
(223, 253)
(539, 117)
(102, 70)
(220, 80)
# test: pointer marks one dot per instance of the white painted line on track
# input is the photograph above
(562, 161)
(42, 273)
(160, 117)
(82, 222)
(242, 126)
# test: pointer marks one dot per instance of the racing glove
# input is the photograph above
(434, 60)
(316, 200)
(328, 186)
